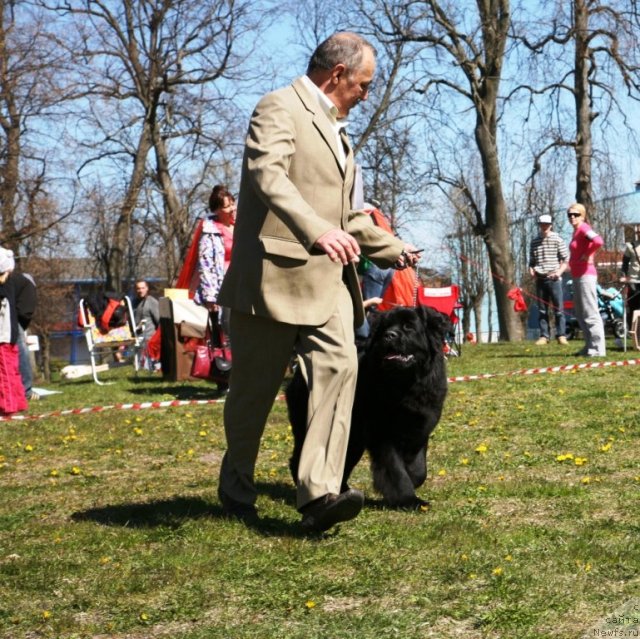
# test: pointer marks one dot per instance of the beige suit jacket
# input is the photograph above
(293, 189)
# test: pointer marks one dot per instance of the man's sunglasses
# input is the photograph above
(573, 214)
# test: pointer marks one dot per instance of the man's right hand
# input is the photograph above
(339, 246)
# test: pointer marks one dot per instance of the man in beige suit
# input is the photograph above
(292, 283)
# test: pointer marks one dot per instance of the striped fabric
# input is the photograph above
(547, 252)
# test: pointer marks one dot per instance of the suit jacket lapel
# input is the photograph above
(322, 124)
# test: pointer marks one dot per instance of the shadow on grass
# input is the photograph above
(153, 387)
(174, 513)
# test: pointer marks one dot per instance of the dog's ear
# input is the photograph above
(435, 322)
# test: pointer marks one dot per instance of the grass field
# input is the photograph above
(110, 525)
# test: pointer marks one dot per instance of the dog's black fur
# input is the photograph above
(401, 389)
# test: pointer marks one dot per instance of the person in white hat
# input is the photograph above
(12, 397)
(548, 260)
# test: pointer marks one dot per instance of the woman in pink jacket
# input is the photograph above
(583, 246)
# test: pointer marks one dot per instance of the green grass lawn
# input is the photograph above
(110, 525)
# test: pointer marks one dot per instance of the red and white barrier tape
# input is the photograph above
(547, 369)
(100, 409)
(204, 402)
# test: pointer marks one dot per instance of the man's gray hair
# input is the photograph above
(340, 48)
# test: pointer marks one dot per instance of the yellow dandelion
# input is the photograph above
(144, 616)
(508, 558)
(526, 453)
(464, 557)
(309, 605)
(482, 489)
(500, 477)
(496, 572)
(103, 561)
(586, 480)
(605, 448)
(138, 431)
(46, 614)
(28, 448)
(75, 470)
(127, 421)
(507, 456)
(442, 472)
(464, 461)
(561, 458)
(580, 461)
(472, 575)
(203, 433)
(482, 449)
(424, 508)
(520, 406)
(138, 419)
(561, 391)
(54, 473)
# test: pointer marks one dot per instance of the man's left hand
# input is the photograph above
(410, 256)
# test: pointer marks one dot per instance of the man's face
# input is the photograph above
(353, 87)
(545, 229)
(142, 289)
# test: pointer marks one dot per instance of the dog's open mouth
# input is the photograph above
(398, 357)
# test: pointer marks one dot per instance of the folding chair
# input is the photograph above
(99, 343)
(445, 300)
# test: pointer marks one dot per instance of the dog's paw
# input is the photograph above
(415, 504)
(422, 505)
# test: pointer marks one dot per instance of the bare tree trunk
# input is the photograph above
(496, 235)
(477, 314)
(176, 214)
(45, 350)
(584, 114)
(115, 268)
(10, 122)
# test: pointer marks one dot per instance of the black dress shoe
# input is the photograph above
(320, 514)
(233, 509)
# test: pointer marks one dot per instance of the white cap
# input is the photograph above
(7, 263)
(545, 219)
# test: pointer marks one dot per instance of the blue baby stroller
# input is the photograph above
(611, 307)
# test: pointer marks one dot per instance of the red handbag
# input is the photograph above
(212, 360)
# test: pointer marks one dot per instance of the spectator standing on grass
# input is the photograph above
(214, 251)
(548, 256)
(583, 246)
(631, 276)
(292, 284)
(146, 314)
(26, 299)
(12, 395)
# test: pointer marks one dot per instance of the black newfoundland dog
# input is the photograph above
(401, 389)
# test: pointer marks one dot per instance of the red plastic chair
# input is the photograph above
(445, 300)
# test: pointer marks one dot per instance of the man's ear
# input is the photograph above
(337, 72)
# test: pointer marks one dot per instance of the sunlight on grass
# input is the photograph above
(110, 525)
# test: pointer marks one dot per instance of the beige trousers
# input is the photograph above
(262, 349)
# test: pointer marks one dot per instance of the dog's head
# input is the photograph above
(404, 337)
